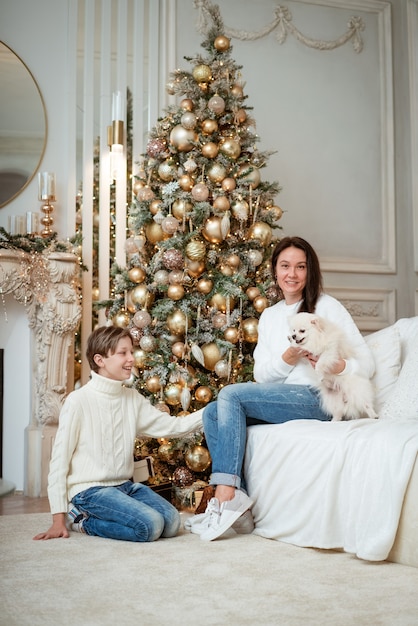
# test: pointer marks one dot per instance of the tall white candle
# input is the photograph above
(46, 186)
(117, 106)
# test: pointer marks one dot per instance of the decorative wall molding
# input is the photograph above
(412, 21)
(372, 309)
(282, 23)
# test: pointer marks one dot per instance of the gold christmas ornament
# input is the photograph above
(140, 295)
(196, 250)
(222, 369)
(240, 210)
(276, 212)
(195, 268)
(147, 343)
(121, 319)
(200, 192)
(137, 185)
(197, 458)
(233, 260)
(204, 285)
(186, 182)
(227, 270)
(178, 349)
(212, 229)
(145, 194)
(202, 73)
(253, 178)
(222, 43)
(203, 394)
(231, 334)
(177, 322)
(216, 104)
(209, 126)
(252, 293)
(260, 303)
(255, 257)
(172, 393)
(182, 139)
(187, 104)
(176, 277)
(170, 224)
(154, 232)
(231, 147)
(155, 206)
(210, 150)
(153, 384)
(220, 302)
(240, 116)
(216, 172)
(165, 451)
(211, 355)
(140, 357)
(161, 277)
(181, 207)
(175, 292)
(136, 274)
(228, 184)
(219, 320)
(260, 231)
(188, 120)
(190, 165)
(237, 91)
(142, 319)
(221, 203)
(250, 330)
(166, 171)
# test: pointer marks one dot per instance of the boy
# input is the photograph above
(89, 484)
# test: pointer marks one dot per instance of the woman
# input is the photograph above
(285, 384)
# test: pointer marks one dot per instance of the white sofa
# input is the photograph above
(351, 485)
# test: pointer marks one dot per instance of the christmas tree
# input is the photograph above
(201, 235)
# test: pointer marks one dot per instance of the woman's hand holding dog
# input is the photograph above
(292, 355)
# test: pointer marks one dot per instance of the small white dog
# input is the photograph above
(349, 396)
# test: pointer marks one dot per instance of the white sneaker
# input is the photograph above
(228, 513)
(197, 524)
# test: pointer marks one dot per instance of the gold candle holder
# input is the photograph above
(46, 193)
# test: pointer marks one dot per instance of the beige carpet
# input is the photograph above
(183, 581)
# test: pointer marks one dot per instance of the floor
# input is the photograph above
(17, 503)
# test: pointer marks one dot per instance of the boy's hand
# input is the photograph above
(58, 529)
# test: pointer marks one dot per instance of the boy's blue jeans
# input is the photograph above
(130, 511)
(225, 421)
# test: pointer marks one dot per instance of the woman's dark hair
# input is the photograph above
(314, 286)
(103, 341)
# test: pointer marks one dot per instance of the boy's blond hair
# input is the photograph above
(104, 340)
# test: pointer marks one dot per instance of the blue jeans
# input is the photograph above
(130, 511)
(244, 404)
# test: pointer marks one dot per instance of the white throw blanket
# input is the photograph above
(330, 485)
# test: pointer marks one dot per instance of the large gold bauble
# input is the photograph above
(210, 150)
(276, 212)
(140, 357)
(180, 207)
(195, 268)
(175, 292)
(136, 274)
(212, 229)
(188, 120)
(209, 126)
(153, 384)
(260, 231)
(203, 394)
(178, 349)
(166, 171)
(186, 182)
(221, 203)
(140, 295)
(211, 355)
(176, 322)
(220, 302)
(216, 172)
(231, 147)
(204, 285)
(172, 394)
(250, 330)
(260, 303)
(154, 232)
(253, 292)
(231, 334)
(221, 43)
(197, 458)
(253, 178)
(229, 184)
(166, 452)
(196, 250)
(187, 104)
(182, 139)
(202, 73)
(121, 319)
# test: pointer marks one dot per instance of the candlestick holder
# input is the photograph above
(46, 182)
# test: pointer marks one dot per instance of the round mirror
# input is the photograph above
(23, 127)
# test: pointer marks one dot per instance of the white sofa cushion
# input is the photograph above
(385, 346)
(402, 403)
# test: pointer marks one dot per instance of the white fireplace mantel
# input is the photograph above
(44, 282)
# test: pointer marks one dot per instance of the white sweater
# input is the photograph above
(273, 330)
(95, 437)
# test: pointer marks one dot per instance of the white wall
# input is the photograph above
(285, 84)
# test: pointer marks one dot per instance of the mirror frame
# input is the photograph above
(32, 175)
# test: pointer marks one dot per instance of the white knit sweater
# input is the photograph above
(95, 437)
